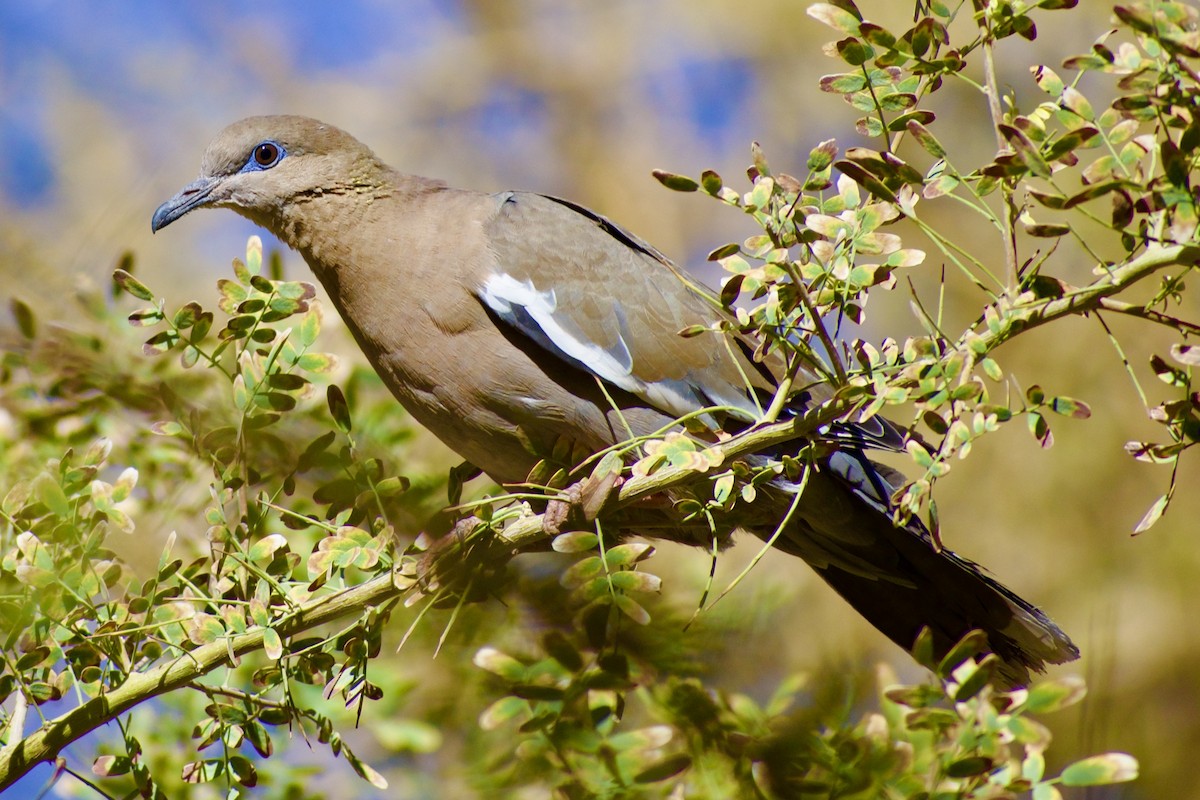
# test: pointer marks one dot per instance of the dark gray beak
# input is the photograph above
(194, 195)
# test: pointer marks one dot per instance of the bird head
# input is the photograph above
(260, 166)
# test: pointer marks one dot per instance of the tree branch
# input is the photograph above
(47, 741)
(1091, 297)
(44, 744)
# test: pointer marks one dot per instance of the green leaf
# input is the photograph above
(392, 486)
(282, 308)
(51, 494)
(724, 251)
(111, 766)
(202, 326)
(253, 263)
(310, 326)
(1153, 514)
(876, 35)
(897, 101)
(23, 314)
(760, 196)
(943, 184)
(626, 555)
(499, 663)
(277, 401)
(677, 183)
(969, 766)
(32, 659)
(1048, 230)
(295, 290)
(1053, 201)
(575, 542)
(582, 571)
(243, 770)
(926, 139)
(272, 644)
(919, 696)
(1045, 791)
(1095, 190)
(189, 357)
(187, 315)
(1071, 141)
(923, 35)
(365, 770)
(205, 628)
(286, 381)
(919, 454)
(1101, 770)
(1047, 80)
(536, 691)
(629, 581)
(317, 363)
(666, 768)
(504, 710)
(1069, 407)
(338, 408)
(125, 483)
(843, 83)
(835, 17)
(981, 675)
(632, 609)
(132, 285)
(265, 548)
(855, 52)
(1074, 100)
(160, 343)
(970, 645)
(869, 127)
(1168, 374)
(1040, 429)
(1049, 696)
(259, 614)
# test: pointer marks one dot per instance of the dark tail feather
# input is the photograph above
(897, 580)
(952, 596)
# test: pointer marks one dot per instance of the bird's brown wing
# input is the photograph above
(598, 297)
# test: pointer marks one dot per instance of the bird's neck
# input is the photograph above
(322, 226)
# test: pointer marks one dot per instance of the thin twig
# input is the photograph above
(993, 97)
(1090, 297)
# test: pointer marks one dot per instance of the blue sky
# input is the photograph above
(121, 56)
(105, 50)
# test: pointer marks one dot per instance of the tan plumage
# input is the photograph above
(491, 318)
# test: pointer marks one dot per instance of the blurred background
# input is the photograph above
(105, 110)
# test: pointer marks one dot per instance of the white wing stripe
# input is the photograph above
(513, 299)
(501, 292)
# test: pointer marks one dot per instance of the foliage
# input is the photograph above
(307, 521)
(822, 253)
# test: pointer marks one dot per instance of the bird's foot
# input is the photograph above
(583, 501)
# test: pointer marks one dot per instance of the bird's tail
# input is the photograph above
(900, 582)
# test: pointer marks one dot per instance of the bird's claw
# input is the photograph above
(583, 500)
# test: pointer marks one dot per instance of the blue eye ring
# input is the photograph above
(265, 155)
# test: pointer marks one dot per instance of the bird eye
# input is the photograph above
(267, 154)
